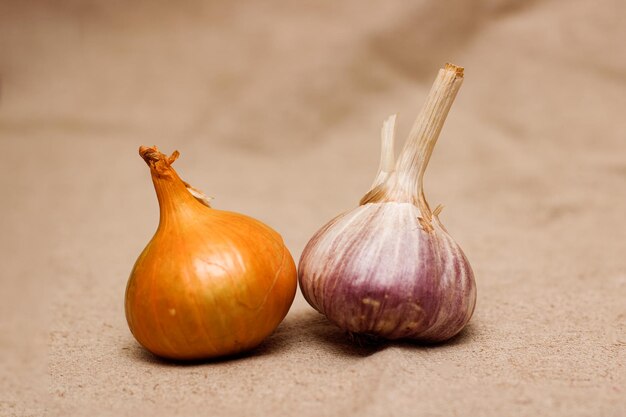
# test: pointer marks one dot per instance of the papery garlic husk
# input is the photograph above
(210, 283)
(389, 268)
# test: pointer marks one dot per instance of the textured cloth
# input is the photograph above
(276, 108)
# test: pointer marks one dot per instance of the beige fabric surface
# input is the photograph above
(276, 109)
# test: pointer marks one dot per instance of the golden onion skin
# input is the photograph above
(210, 283)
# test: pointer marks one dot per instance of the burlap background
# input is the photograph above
(276, 107)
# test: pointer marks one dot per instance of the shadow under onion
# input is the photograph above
(270, 346)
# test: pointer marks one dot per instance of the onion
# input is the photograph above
(210, 283)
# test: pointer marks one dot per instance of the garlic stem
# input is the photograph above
(419, 146)
(387, 152)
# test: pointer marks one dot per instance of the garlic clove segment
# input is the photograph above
(389, 268)
(210, 283)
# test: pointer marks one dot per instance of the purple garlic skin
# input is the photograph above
(382, 269)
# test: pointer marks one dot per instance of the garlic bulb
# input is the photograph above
(389, 268)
